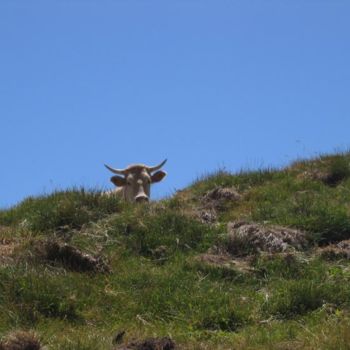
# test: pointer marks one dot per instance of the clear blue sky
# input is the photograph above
(206, 84)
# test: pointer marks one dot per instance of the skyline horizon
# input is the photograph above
(206, 84)
(160, 196)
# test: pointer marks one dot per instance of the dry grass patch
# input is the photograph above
(69, 257)
(215, 201)
(244, 239)
(7, 248)
(21, 340)
(219, 195)
(223, 261)
(338, 251)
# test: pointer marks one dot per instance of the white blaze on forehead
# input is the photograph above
(137, 184)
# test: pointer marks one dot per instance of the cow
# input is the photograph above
(135, 183)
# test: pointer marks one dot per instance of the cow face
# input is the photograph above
(136, 181)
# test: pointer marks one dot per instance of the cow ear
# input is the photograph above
(158, 176)
(118, 180)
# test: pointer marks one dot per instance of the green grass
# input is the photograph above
(61, 210)
(34, 294)
(157, 288)
(143, 229)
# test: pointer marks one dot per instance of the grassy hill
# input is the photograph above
(253, 260)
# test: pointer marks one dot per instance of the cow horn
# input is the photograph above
(157, 167)
(116, 171)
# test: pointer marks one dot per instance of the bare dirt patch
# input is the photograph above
(250, 238)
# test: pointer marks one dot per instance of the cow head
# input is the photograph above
(136, 180)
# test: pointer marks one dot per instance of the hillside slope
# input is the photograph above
(254, 260)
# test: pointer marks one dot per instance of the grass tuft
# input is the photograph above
(149, 230)
(60, 211)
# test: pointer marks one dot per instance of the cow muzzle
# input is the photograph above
(141, 198)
